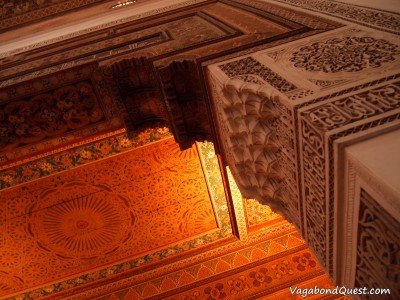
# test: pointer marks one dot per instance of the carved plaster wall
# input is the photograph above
(370, 210)
(295, 101)
(257, 139)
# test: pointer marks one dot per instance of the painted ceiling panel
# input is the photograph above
(110, 210)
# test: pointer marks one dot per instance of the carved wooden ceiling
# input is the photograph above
(21, 13)
(97, 200)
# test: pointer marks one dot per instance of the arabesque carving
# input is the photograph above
(378, 248)
(348, 54)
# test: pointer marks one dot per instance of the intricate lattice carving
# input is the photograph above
(326, 83)
(378, 248)
(250, 66)
(348, 54)
(314, 190)
(298, 94)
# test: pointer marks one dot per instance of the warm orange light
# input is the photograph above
(125, 3)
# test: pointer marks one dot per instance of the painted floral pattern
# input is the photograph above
(271, 278)
(195, 296)
(117, 144)
(79, 156)
(215, 293)
(304, 261)
(282, 269)
(238, 285)
(260, 277)
(258, 213)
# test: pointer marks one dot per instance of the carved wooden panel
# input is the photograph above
(139, 95)
(279, 111)
(186, 102)
(168, 36)
(53, 110)
(19, 13)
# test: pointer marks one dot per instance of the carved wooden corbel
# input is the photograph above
(142, 104)
(185, 101)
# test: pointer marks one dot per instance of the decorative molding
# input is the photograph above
(251, 66)
(357, 178)
(251, 282)
(317, 149)
(107, 46)
(239, 208)
(277, 122)
(356, 107)
(74, 156)
(212, 30)
(206, 267)
(17, 14)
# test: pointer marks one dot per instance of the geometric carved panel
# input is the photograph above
(369, 17)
